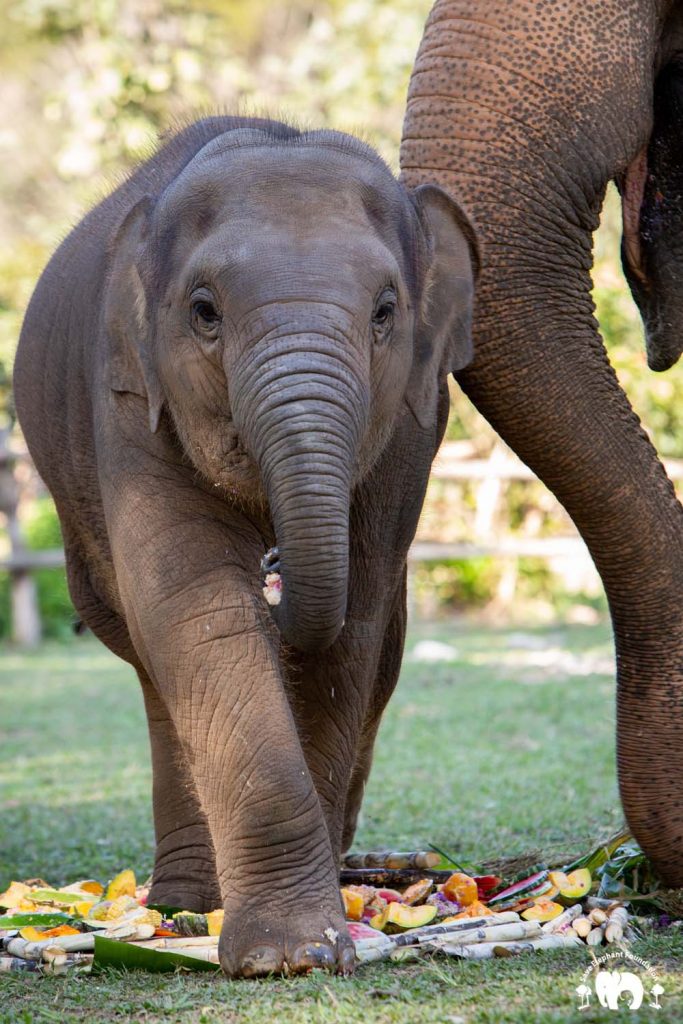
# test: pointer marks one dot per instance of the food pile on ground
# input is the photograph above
(397, 905)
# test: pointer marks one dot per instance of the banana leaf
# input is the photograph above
(23, 920)
(600, 855)
(111, 953)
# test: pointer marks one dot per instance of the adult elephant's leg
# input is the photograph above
(545, 384)
(185, 862)
(187, 573)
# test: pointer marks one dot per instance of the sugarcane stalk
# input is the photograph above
(381, 946)
(17, 964)
(168, 942)
(498, 933)
(582, 926)
(429, 931)
(488, 950)
(392, 861)
(390, 878)
(563, 921)
(29, 950)
(596, 902)
(595, 935)
(617, 921)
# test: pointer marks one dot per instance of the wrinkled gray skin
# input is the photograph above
(247, 344)
(525, 110)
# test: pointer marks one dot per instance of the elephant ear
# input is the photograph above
(126, 316)
(443, 330)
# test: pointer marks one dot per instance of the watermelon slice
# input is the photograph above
(534, 885)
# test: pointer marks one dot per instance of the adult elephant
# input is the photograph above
(526, 111)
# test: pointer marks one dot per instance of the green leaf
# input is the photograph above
(447, 862)
(24, 920)
(111, 953)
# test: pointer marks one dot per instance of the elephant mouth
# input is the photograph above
(272, 580)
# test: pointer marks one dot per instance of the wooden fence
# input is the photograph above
(456, 462)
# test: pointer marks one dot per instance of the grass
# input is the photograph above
(506, 747)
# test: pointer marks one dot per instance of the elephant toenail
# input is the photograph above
(312, 954)
(261, 960)
(347, 960)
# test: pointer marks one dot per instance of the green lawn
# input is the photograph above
(504, 749)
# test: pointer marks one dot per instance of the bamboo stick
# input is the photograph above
(498, 933)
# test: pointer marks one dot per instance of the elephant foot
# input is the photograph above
(284, 941)
(190, 889)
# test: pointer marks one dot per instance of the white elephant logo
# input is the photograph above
(610, 985)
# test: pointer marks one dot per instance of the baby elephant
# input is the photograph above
(234, 366)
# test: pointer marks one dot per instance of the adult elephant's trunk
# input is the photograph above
(516, 111)
(301, 411)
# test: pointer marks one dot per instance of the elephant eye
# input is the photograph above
(205, 316)
(383, 315)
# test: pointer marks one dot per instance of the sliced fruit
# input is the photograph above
(519, 889)
(53, 897)
(559, 879)
(542, 910)
(390, 895)
(120, 906)
(353, 904)
(476, 909)
(37, 934)
(86, 885)
(13, 895)
(397, 917)
(486, 884)
(190, 924)
(122, 884)
(460, 888)
(578, 885)
(417, 892)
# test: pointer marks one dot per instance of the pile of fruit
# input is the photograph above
(397, 905)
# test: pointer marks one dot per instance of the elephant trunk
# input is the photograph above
(302, 409)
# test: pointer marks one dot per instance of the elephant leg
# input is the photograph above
(385, 683)
(184, 863)
(550, 392)
(190, 588)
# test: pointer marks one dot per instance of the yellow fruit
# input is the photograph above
(578, 885)
(120, 906)
(33, 934)
(122, 885)
(559, 879)
(214, 921)
(542, 910)
(353, 904)
(11, 898)
(475, 909)
(460, 888)
(396, 917)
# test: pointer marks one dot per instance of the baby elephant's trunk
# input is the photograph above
(303, 419)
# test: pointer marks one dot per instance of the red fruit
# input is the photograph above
(390, 895)
(486, 884)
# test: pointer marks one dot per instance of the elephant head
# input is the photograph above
(652, 246)
(283, 300)
(610, 985)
